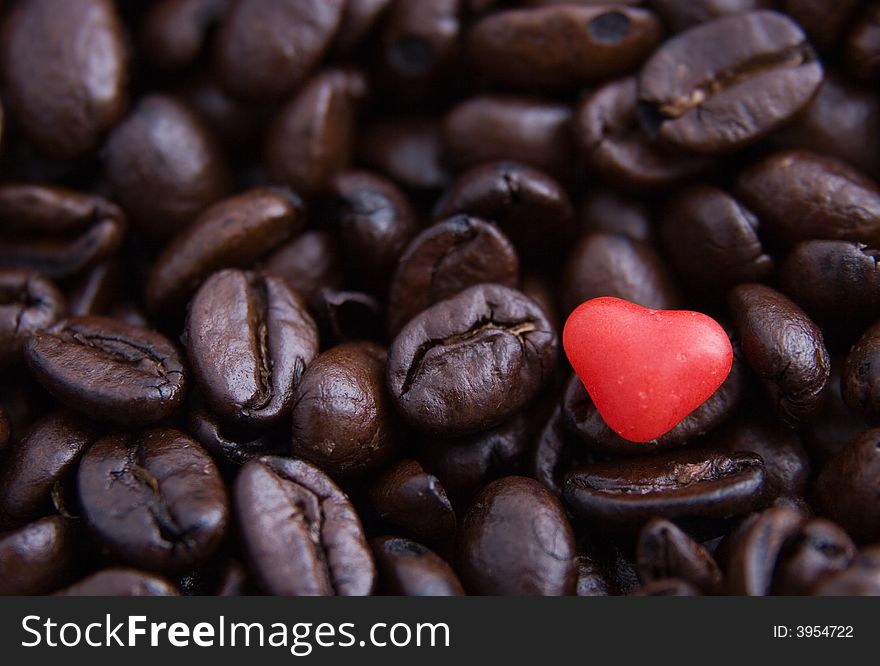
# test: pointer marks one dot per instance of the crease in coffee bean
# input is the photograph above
(681, 476)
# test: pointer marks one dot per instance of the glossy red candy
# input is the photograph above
(645, 370)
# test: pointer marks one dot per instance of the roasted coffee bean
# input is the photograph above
(308, 263)
(471, 361)
(249, 340)
(265, 50)
(40, 463)
(174, 32)
(95, 291)
(445, 259)
(799, 195)
(28, 303)
(300, 531)
(153, 500)
(609, 211)
(346, 316)
(56, 231)
(108, 370)
(464, 465)
(228, 446)
(564, 46)
(752, 72)
(712, 241)
(692, 486)
(406, 148)
(120, 582)
(408, 498)
(37, 558)
(358, 18)
(665, 551)
(407, 568)
(311, 139)
(234, 233)
(343, 418)
(375, 221)
(164, 166)
(555, 453)
(861, 375)
(592, 579)
(846, 488)
(66, 90)
(755, 549)
(863, 46)
(502, 127)
(515, 540)
(617, 150)
(824, 23)
(667, 587)
(861, 579)
(783, 347)
(530, 207)
(683, 14)
(603, 264)
(819, 549)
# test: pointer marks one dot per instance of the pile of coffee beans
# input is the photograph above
(282, 285)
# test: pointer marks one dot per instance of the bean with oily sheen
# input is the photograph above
(249, 340)
(39, 557)
(471, 361)
(819, 549)
(665, 551)
(860, 382)
(445, 259)
(300, 531)
(343, 417)
(308, 263)
(28, 303)
(121, 582)
(229, 447)
(407, 568)
(108, 370)
(516, 540)
(784, 348)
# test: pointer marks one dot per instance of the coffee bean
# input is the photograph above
(164, 166)
(592, 579)
(265, 50)
(555, 453)
(358, 18)
(824, 23)
(37, 558)
(819, 549)
(471, 361)
(861, 375)
(346, 316)
(407, 568)
(692, 486)
(65, 90)
(861, 579)
(308, 263)
(405, 148)
(249, 340)
(228, 446)
(563, 46)
(28, 303)
(606, 210)
(680, 15)
(95, 291)
(234, 233)
(300, 531)
(445, 259)
(665, 551)
(343, 418)
(120, 582)
(174, 32)
(108, 370)
(752, 72)
(515, 540)
(863, 46)
(783, 347)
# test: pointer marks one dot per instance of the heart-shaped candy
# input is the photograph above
(644, 369)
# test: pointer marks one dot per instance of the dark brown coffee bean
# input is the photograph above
(66, 73)
(174, 32)
(683, 14)
(756, 548)
(592, 578)
(37, 558)
(108, 370)
(228, 446)
(40, 463)
(343, 419)
(563, 46)
(863, 46)
(555, 453)
(500, 127)
(861, 579)
(407, 568)
(308, 263)
(783, 347)
(376, 221)
(515, 540)
(604, 264)
(300, 531)
(470, 362)
(358, 19)
(609, 211)
(153, 500)
(234, 233)
(265, 50)
(712, 241)
(346, 316)
(690, 486)
(665, 551)
(529, 206)
(861, 375)
(164, 166)
(96, 290)
(752, 72)
(311, 139)
(819, 549)
(609, 136)
(28, 303)
(445, 259)
(249, 340)
(846, 488)
(120, 582)
(408, 498)
(799, 195)
(824, 23)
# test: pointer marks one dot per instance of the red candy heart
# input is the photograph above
(645, 370)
